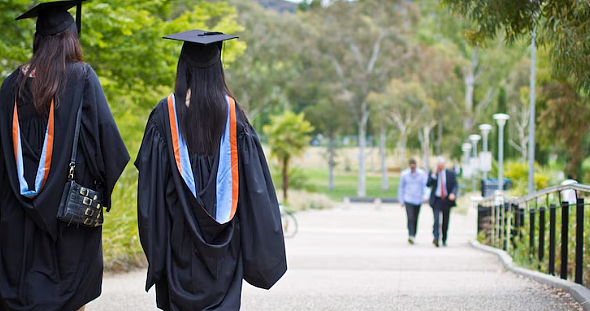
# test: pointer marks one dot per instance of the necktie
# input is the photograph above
(443, 190)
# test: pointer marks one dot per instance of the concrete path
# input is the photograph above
(357, 258)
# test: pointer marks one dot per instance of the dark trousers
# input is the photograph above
(412, 211)
(441, 207)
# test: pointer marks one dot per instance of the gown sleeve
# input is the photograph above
(102, 142)
(263, 245)
(152, 163)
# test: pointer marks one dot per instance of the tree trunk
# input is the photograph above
(285, 178)
(469, 79)
(424, 138)
(384, 179)
(331, 162)
(401, 147)
(439, 138)
(362, 191)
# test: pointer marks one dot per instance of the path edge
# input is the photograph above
(580, 293)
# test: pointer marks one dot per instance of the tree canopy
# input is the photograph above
(561, 24)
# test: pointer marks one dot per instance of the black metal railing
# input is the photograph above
(520, 227)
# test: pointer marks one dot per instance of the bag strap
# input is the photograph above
(75, 144)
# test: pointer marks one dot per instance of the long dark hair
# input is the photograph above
(50, 55)
(202, 123)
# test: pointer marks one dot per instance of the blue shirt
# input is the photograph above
(411, 186)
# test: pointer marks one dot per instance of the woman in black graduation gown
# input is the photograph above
(45, 264)
(207, 208)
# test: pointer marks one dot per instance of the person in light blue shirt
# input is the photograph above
(411, 195)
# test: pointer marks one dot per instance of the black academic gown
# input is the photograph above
(46, 265)
(195, 262)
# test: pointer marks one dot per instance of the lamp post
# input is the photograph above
(474, 138)
(466, 148)
(501, 119)
(485, 167)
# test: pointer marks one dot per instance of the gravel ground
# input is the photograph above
(357, 258)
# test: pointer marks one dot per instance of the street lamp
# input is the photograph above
(474, 138)
(485, 161)
(501, 119)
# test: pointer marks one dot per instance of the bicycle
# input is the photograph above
(289, 222)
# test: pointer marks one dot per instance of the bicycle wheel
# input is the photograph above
(289, 225)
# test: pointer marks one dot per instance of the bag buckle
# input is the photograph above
(84, 191)
(87, 201)
(88, 221)
(71, 174)
(89, 212)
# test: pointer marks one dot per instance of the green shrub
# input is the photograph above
(518, 173)
(121, 245)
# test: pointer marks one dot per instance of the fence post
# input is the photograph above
(499, 224)
(492, 225)
(507, 226)
(479, 218)
(541, 234)
(579, 240)
(532, 233)
(515, 225)
(552, 222)
(564, 238)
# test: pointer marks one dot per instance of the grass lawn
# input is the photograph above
(345, 184)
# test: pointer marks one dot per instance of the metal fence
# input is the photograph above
(520, 227)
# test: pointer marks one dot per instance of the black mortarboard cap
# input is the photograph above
(201, 48)
(53, 17)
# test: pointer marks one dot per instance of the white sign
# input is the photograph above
(485, 161)
(466, 173)
(474, 164)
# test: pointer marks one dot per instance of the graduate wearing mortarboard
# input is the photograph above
(47, 264)
(207, 208)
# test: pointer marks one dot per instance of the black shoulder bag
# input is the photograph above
(79, 205)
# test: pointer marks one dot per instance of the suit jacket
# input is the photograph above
(451, 185)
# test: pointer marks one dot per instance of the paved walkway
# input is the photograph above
(357, 258)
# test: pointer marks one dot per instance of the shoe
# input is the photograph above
(435, 242)
(411, 240)
(445, 243)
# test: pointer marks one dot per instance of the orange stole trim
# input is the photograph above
(50, 138)
(234, 156)
(174, 129)
(15, 136)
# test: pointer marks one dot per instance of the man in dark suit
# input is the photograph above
(443, 192)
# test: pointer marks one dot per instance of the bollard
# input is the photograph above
(377, 203)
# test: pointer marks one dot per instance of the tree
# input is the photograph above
(517, 95)
(405, 106)
(559, 23)
(362, 44)
(263, 76)
(288, 138)
(123, 43)
(17, 43)
(329, 117)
